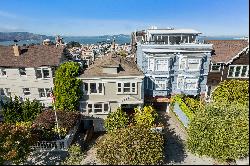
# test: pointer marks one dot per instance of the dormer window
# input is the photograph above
(22, 71)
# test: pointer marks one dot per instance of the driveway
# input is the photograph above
(175, 151)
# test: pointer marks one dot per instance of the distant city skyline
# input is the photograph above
(111, 17)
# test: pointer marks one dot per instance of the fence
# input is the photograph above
(58, 145)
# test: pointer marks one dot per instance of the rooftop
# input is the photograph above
(225, 50)
(31, 56)
(126, 67)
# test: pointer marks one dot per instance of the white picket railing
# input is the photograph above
(58, 145)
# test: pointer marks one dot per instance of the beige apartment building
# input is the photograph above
(28, 71)
(111, 82)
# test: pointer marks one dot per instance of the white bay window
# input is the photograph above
(182, 63)
(151, 63)
(191, 84)
(193, 64)
(161, 64)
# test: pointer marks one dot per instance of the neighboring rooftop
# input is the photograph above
(31, 56)
(226, 50)
(125, 67)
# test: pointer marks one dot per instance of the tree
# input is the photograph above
(18, 111)
(15, 142)
(220, 131)
(132, 145)
(116, 120)
(67, 86)
(233, 90)
(145, 116)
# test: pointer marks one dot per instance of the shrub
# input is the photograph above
(145, 116)
(220, 131)
(15, 142)
(233, 90)
(46, 122)
(67, 87)
(131, 146)
(17, 111)
(75, 156)
(116, 120)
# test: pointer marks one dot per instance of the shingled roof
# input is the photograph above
(31, 56)
(126, 67)
(226, 50)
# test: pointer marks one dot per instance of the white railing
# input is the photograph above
(58, 145)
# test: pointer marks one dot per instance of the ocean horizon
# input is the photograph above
(106, 38)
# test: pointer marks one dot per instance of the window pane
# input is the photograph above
(215, 67)
(119, 85)
(41, 92)
(119, 89)
(26, 91)
(243, 72)
(231, 71)
(38, 73)
(126, 89)
(46, 73)
(93, 88)
(106, 107)
(126, 84)
(47, 92)
(100, 88)
(193, 65)
(86, 87)
(22, 71)
(237, 72)
(89, 108)
(133, 84)
(97, 108)
(83, 107)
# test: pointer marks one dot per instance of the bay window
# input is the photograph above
(191, 84)
(180, 83)
(160, 85)
(151, 63)
(182, 63)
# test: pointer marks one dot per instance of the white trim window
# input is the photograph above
(42, 72)
(93, 88)
(180, 82)
(26, 91)
(44, 92)
(238, 71)
(160, 84)
(2, 72)
(151, 63)
(191, 83)
(194, 64)
(126, 88)
(22, 71)
(161, 64)
(95, 108)
(215, 67)
(182, 63)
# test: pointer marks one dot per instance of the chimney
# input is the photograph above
(17, 50)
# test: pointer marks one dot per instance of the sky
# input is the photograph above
(109, 17)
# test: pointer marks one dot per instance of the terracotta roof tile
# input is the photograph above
(31, 56)
(127, 67)
(225, 50)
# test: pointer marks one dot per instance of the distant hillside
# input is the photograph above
(9, 36)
